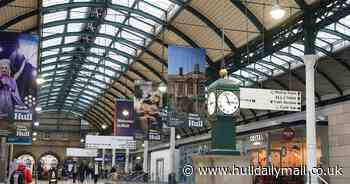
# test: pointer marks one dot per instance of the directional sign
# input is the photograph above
(266, 99)
(108, 142)
(81, 152)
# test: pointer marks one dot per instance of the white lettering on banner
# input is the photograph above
(20, 116)
(266, 99)
(107, 142)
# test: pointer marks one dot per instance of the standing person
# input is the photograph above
(96, 172)
(82, 172)
(22, 175)
(75, 171)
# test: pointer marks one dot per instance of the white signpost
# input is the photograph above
(110, 142)
(267, 99)
(80, 152)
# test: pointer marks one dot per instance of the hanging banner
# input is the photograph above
(124, 117)
(22, 136)
(186, 86)
(147, 105)
(18, 63)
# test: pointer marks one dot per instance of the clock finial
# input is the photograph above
(223, 72)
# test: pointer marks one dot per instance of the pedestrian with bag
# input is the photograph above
(22, 175)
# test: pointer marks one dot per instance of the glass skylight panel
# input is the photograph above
(48, 61)
(133, 38)
(328, 37)
(53, 30)
(102, 41)
(163, 4)
(127, 3)
(65, 58)
(78, 13)
(98, 51)
(91, 93)
(94, 88)
(89, 66)
(117, 57)
(51, 42)
(56, 16)
(150, 9)
(141, 25)
(93, 59)
(85, 73)
(82, 0)
(74, 27)
(114, 16)
(47, 3)
(67, 49)
(108, 29)
(99, 84)
(112, 65)
(88, 97)
(49, 52)
(124, 48)
(109, 74)
(71, 39)
(85, 101)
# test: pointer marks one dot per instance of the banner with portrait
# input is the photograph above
(18, 70)
(147, 105)
(124, 118)
(186, 86)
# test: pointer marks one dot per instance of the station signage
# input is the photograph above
(109, 142)
(267, 99)
(22, 136)
(80, 152)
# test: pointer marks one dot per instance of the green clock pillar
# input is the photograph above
(223, 106)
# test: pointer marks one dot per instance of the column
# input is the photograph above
(268, 148)
(145, 156)
(113, 157)
(126, 167)
(103, 158)
(3, 159)
(309, 61)
(172, 155)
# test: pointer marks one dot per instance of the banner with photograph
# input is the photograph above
(124, 117)
(186, 86)
(18, 70)
(147, 105)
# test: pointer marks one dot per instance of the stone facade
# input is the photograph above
(339, 141)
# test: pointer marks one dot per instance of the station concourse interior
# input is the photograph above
(163, 77)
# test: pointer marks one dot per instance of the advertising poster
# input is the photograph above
(124, 117)
(18, 67)
(186, 86)
(147, 105)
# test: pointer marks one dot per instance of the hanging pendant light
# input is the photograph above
(277, 12)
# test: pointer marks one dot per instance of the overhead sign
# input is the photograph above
(266, 99)
(108, 142)
(80, 152)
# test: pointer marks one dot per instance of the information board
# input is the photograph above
(267, 99)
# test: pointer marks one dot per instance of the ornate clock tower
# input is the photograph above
(223, 106)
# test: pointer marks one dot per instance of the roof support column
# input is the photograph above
(310, 59)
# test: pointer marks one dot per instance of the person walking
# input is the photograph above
(75, 171)
(82, 173)
(22, 175)
(96, 172)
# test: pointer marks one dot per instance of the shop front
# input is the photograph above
(281, 148)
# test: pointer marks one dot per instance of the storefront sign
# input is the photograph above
(288, 133)
(258, 138)
(266, 99)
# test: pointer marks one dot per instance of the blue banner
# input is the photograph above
(124, 117)
(22, 136)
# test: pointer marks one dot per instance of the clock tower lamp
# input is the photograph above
(223, 106)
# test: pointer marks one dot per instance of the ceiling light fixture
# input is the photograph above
(277, 12)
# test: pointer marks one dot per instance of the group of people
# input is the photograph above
(82, 171)
(19, 173)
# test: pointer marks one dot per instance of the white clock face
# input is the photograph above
(211, 103)
(228, 102)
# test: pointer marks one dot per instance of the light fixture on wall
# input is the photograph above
(40, 80)
(35, 133)
(178, 136)
(34, 139)
(38, 109)
(276, 11)
(125, 112)
(104, 127)
(162, 87)
(82, 140)
(36, 123)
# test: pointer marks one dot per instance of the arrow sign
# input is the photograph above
(267, 99)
